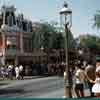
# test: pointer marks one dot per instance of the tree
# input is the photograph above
(47, 35)
(97, 19)
(91, 42)
(58, 41)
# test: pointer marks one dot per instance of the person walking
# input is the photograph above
(21, 71)
(90, 74)
(79, 81)
(17, 72)
(10, 67)
(2, 70)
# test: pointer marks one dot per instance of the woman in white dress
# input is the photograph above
(96, 86)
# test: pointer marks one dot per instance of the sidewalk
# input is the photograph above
(9, 83)
(6, 82)
(32, 77)
(25, 77)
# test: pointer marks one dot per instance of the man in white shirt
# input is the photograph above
(79, 81)
(21, 71)
(10, 73)
(17, 72)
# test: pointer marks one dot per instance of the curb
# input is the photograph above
(25, 77)
(10, 83)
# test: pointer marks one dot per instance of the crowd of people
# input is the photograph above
(10, 71)
(50, 69)
(18, 71)
(80, 75)
(86, 74)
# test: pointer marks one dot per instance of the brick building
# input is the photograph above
(15, 37)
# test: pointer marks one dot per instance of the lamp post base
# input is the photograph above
(67, 92)
(67, 86)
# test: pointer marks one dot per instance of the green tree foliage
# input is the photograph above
(97, 19)
(91, 42)
(44, 35)
(47, 35)
(58, 41)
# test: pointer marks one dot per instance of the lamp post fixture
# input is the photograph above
(66, 20)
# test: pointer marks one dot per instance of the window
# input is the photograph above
(10, 18)
(24, 26)
(27, 45)
(11, 43)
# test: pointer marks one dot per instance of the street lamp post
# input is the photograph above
(66, 19)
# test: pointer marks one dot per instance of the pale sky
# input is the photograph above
(48, 10)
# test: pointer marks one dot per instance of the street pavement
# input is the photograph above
(48, 87)
(34, 87)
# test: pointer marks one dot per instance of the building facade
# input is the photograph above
(15, 37)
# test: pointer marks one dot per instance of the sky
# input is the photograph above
(48, 10)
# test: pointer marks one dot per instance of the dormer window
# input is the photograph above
(30, 26)
(10, 20)
(8, 15)
(24, 26)
(1, 20)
